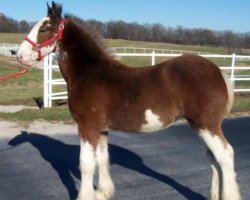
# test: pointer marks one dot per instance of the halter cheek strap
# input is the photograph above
(38, 47)
(35, 48)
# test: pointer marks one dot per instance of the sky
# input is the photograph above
(212, 14)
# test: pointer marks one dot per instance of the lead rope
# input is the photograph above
(14, 75)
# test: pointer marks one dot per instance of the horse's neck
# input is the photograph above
(79, 56)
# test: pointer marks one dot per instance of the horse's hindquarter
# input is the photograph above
(189, 86)
(201, 88)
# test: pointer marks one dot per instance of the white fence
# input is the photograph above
(117, 50)
(49, 82)
(6, 48)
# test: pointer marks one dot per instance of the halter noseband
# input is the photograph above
(38, 47)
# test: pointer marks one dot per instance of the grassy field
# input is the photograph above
(26, 88)
(11, 38)
(29, 115)
(19, 90)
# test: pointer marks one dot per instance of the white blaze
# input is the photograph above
(34, 32)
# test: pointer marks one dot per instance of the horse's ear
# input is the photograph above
(53, 4)
(24, 133)
(57, 10)
(50, 12)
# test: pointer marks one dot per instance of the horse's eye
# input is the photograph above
(42, 30)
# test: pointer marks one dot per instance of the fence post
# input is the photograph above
(153, 57)
(45, 82)
(50, 71)
(233, 70)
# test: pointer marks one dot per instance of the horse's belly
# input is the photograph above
(153, 122)
(144, 122)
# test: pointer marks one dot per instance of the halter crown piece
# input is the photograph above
(38, 47)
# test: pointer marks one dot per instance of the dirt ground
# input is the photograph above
(11, 129)
(15, 108)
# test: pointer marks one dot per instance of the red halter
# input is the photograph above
(38, 47)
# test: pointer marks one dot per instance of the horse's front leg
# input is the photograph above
(106, 187)
(87, 168)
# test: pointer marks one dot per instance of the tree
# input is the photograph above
(228, 40)
(158, 32)
(23, 27)
(7, 25)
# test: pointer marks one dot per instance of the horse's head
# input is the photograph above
(19, 139)
(43, 37)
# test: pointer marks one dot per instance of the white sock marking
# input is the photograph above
(224, 155)
(106, 187)
(87, 166)
(215, 184)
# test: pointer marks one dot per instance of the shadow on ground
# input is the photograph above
(64, 158)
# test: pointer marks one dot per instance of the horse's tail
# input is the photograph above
(230, 93)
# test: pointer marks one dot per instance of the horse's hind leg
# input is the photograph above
(223, 155)
(106, 187)
(216, 186)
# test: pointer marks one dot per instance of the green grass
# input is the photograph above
(136, 61)
(22, 89)
(241, 103)
(145, 61)
(13, 38)
(158, 45)
(27, 115)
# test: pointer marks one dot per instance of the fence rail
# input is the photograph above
(49, 96)
(118, 50)
(5, 49)
(8, 49)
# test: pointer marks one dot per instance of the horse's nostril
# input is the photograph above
(19, 57)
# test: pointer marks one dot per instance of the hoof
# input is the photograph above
(86, 197)
(104, 194)
(99, 195)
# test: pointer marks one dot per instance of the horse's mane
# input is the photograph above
(89, 29)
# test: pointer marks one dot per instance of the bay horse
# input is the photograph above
(104, 94)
